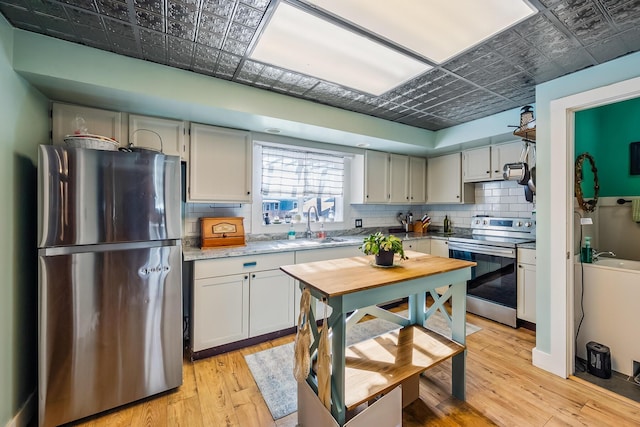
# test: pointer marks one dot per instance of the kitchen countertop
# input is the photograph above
(270, 246)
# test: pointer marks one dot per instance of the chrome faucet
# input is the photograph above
(596, 255)
(309, 233)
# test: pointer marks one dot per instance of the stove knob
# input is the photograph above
(519, 224)
(527, 224)
(485, 222)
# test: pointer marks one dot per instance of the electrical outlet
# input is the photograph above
(359, 223)
(586, 221)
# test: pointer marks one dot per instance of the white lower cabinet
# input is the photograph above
(270, 302)
(220, 310)
(240, 297)
(418, 245)
(526, 279)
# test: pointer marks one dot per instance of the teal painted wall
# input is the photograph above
(605, 132)
(24, 125)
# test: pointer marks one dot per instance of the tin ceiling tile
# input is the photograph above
(257, 4)
(178, 11)
(222, 8)
(213, 23)
(82, 4)
(625, 14)
(605, 50)
(241, 33)
(83, 17)
(181, 29)
(209, 39)
(229, 61)
(147, 19)
(114, 9)
(247, 16)
(119, 28)
(154, 6)
(235, 47)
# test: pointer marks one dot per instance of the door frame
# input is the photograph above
(561, 256)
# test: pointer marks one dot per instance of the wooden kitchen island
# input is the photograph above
(375, 367)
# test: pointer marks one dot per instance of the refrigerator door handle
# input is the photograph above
(66, 250)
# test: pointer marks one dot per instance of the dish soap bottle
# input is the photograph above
(292, 233)
(586, 253)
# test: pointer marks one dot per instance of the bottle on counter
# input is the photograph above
(447, 224)
(292, 233)
(586, 253)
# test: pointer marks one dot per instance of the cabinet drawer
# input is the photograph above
(312, 255)
(527, 256)
(241, 264)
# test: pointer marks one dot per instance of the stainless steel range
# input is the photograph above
(492, 289)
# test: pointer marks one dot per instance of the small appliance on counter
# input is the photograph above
(224, 231)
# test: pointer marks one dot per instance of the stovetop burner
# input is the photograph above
(504, 232)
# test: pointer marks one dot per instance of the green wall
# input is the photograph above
(24, 124)
(605, 132)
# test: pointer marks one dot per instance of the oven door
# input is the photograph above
(491, 291)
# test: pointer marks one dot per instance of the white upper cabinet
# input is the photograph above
(444, 180)
(376, 177)
(486, 163)
(476, 164)
(398, 178)
(417, 180)
(157, 133)
(97, 122)
(504, 153)
(219, 165)
(383, 178)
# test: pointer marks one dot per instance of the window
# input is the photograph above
(294, 181)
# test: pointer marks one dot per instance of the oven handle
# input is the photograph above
(482, 249)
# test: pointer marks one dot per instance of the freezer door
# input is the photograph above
(94, 196)
(110, 330)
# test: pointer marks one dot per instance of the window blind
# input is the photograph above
(292, 173)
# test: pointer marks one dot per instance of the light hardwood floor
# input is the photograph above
(503, 388)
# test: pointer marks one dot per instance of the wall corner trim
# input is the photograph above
(25, 414)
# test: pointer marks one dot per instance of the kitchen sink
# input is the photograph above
(331, 240)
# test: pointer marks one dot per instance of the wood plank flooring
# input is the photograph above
(503, 389)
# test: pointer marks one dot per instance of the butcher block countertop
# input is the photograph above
(359, 273)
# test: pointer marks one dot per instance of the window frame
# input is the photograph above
(256, 207)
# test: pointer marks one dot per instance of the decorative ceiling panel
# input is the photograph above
(214, 37)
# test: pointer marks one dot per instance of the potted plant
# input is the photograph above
(383, 247)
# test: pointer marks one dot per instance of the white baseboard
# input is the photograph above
(25, 414)
(545, 361)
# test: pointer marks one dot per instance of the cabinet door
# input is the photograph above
(398, 178)
(420, 245)
(98, 122)
(417, 180)
(476, 164)
(444, 180)
(220, 310)
(270, 302)
(376, 181)
(440, 248)
(526, 278)
(504, 153)
(157, 133)
(219, 165)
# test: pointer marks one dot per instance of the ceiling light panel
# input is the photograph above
(305, 43)
(435, 29)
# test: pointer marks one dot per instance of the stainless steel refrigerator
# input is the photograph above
(110, 295)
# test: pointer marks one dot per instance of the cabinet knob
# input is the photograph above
(520, 266)
(488, 172)
(248, 192)
(458, 196)
(246, 277)
(496, 171)
(253, 276)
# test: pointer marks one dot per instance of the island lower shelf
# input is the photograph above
(378, 365)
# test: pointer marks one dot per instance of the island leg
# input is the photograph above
(458, 334)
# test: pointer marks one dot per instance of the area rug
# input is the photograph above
(273, 368)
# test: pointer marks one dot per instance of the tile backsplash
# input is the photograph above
(496, 198)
